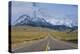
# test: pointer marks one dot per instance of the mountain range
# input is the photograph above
(25, 20)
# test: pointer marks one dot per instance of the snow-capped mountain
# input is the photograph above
(42, 22)
(27, 20)
(66, 22)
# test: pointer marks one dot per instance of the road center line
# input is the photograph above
(47, 47)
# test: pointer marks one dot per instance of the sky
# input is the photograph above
(53, 13)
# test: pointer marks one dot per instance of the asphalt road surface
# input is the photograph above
(49, 43)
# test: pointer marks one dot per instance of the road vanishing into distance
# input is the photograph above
(47, 44)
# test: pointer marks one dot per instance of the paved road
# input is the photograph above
(48, 43)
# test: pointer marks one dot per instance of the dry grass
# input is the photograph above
(71, 36)
(22, 34)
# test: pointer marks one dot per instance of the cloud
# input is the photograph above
(53, 13)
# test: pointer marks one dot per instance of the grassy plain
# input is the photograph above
(66, 36)
(20, 34)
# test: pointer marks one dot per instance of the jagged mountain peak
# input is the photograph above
(26, 20)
